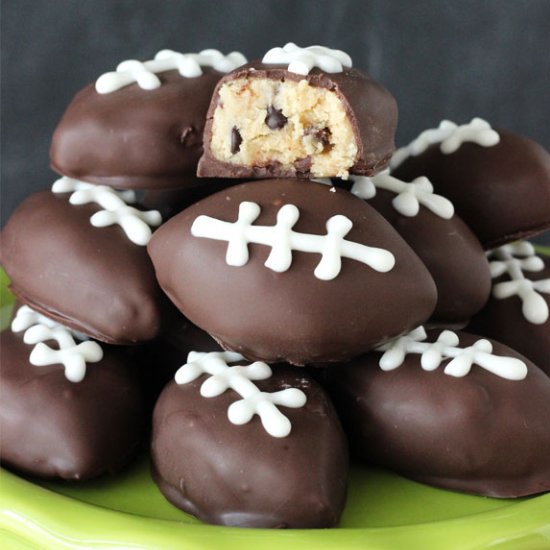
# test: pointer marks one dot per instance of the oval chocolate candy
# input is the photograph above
(464, 418)
(93, 279)
(240, 475)
(288, 270)
(56, 428)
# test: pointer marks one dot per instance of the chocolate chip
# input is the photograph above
(236, 140)
(275, 118)
(322, 136)
(302, 166)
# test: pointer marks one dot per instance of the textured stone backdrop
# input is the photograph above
(454, 59)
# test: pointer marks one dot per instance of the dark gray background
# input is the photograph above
(453, 59)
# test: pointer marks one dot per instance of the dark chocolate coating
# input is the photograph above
(480, 434)
(134, 138)
(501, 192)
(55, 428)
(170, 202)
(504, 321)
(292, 316)
(184, 336)
(371, 109)
(242, 476)
(452, 254)
(159, 359)
(93, 279)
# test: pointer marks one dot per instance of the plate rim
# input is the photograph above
(26, 514)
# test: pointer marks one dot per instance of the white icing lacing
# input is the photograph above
(283, 240)
(135, 223)
(513, 259)
(450, 136)
(239, 378)
(39, 329)
(187, 64)
(409, 195)
(302, 60)
(446, 347)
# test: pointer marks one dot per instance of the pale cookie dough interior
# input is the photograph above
(260, 121)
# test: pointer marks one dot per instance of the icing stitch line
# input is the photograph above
(145, 73)
(135, 223)
(240, 379)
(446, 347)
(450, 137)
(283, 240)
(409, 195)
(512, 260)
(302, 60)
(39, 329)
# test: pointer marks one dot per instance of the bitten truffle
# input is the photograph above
(267, 119)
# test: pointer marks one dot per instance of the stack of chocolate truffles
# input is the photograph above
(240, 245)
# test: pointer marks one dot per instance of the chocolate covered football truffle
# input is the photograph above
(518, 312)
(250, 447)
(299, 112)
(445, 244)
(499, 182)
(289, 270)
(451, 410)
(70, 409)
(141, 126)
(75, 258)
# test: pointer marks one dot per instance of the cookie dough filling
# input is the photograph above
(303, 128)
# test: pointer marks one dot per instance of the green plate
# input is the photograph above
(384, 511)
